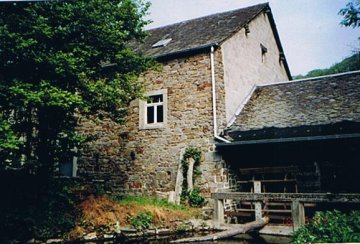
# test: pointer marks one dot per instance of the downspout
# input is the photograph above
(214, 95)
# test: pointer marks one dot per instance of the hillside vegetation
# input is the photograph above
(351, 63)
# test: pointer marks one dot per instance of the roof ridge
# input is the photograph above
(309, 79)
(265, 4)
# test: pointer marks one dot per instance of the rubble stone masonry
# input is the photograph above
(155, 154)
(137, 159)
(146, 160)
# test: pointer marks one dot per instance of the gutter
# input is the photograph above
(214, 96)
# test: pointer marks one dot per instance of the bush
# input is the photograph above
(195, 199)
(330, 226)
(182, 228)
(142, 221)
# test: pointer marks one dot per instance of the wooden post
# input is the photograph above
(257, 189)
(298, 214)
(219, 211)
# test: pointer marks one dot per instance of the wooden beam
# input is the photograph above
(269, 170)
(297, 214)
(257, 189)
(289, 197)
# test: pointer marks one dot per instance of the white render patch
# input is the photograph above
(162, 43)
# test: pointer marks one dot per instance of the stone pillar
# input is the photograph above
(258, 208)
(219, 212)
(178, 184)
(298, 214)
(189, 174)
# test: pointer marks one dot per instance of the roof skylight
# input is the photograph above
(162, 43)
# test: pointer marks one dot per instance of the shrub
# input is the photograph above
(182, 228)
(330, 226)
(142, 221)
(195, 199)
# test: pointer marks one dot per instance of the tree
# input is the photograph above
(52, 67)
(351, 14)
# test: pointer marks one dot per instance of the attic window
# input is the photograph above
(162, 43)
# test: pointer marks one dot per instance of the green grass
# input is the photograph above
(152, 201)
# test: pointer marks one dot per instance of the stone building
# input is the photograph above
(210, 65)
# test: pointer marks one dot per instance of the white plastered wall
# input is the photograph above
(244, 64)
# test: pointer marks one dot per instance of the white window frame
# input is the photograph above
(143, 105)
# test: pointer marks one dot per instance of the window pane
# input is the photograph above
(155, 99)
(150, 115)
(66, 169)
(160, 114)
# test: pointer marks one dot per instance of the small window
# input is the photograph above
(153, 110)
(69, 169)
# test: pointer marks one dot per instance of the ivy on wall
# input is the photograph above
(191, 196)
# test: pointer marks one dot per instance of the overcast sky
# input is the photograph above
(309, 29)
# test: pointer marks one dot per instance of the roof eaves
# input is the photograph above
(278, 42)
(289, 139)
(185, 52)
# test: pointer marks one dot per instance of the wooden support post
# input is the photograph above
(298, 214)
(219, 211)
(257, 189)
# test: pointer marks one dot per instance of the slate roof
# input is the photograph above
(325, 100)
(198, 33)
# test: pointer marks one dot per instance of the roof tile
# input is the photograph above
(197, 33)
(319, 101)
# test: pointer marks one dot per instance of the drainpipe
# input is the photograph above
(214, 95)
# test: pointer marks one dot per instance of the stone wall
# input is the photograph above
(155, 154)
(101, 162)
(136, 160)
